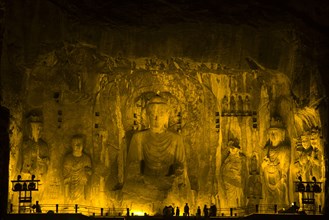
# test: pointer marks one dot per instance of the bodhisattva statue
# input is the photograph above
(304, 157)
(317, 155)
(318, 163)
(310, 156)
(233, 173)
(77, 170)
(155, 171)
(35, 154)
(275, 165)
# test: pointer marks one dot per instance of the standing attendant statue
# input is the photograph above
(232, 176)
(275, 165)
(35, 153)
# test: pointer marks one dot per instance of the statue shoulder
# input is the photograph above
(174, 134)
(86, 156)
(139, 135)
(286, 146)
(68, 158)
(42, 143)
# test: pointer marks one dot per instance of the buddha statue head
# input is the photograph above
(276, 132)
(234, 147)
(305, 140)
(35, 122)
(77, 144)
(314, 137)
(158, 113)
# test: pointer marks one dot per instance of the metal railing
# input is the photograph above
(71, 209)
(117, 212)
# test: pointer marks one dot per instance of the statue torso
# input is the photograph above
(158, 153)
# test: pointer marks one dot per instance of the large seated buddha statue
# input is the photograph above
(155, 171)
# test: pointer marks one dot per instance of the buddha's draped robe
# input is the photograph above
(76, 173)
(35, 158)
(157, 154)
(275, 172)
(155, 164)
(232, 170)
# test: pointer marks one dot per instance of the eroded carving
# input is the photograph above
(254, 184)
(35, 153)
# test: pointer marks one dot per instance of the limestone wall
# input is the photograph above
(79, 79)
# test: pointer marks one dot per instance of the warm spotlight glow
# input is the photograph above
(138, 213)
(157, 135)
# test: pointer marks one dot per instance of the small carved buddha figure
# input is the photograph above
(239, 105)
(232, 104)
(246, 107)
(317, 161)
(275, 165)
(225, 104)
(77, 170)
(156, 158)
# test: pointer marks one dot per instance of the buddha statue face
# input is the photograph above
(305, 139)
(314, 139)
(158, 113)
(36, 130)
(233, 148)
(77, 147)
(276, 136)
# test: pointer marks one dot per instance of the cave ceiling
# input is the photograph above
(309, 18)
(154, 13)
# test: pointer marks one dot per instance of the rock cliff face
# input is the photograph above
(241, 96)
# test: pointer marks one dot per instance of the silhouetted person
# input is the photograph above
(165, 211)
(177, 211)
(172, 211)
(213, 210)
(186, 210)
(205, 211)
(37, 207)
(198, 211)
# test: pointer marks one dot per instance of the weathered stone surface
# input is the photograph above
(96, 81)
